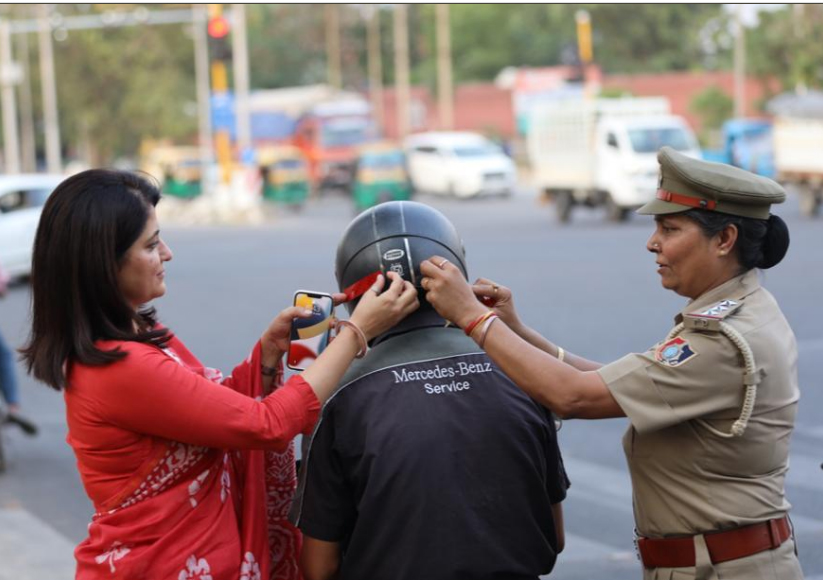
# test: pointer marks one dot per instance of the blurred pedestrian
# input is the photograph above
(428, 463)
(712, 406)
(8, 377)
(191, 474)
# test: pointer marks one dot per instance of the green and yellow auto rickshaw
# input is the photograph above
(380, 175)
(284, 172)
(179, 169)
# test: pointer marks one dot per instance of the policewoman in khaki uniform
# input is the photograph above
(712, 405)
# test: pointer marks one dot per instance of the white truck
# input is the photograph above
(798, 158)
(603, 152)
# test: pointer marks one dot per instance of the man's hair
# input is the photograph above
(88, 224)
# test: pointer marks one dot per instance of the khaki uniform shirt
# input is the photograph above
(687, 480)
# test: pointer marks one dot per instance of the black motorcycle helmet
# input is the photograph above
(396, 236)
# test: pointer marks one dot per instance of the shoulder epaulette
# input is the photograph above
(711, 317)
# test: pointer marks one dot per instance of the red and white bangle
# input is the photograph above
(477, 321)
(364, 344)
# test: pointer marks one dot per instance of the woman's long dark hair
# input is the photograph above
(760, 243)
(87, 225)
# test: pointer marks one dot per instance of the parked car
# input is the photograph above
(459, 164)
(21, 200)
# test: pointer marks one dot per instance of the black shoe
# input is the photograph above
(26, 425)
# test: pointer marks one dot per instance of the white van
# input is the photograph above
(604, 152)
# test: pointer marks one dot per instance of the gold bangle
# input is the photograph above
(561, 354)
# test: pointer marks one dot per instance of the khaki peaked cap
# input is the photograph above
(687, 183)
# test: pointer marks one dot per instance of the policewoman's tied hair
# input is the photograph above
(760, 243)
(88, 224)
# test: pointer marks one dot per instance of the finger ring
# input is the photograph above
(495, 288)
(375, 290)
(443, 263)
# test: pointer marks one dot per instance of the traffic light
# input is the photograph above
(218, 30)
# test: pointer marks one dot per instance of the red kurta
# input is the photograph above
(151, 434)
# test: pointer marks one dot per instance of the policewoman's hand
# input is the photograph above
(379, 309)
(449, 292)
(498, 298)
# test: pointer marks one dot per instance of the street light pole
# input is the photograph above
(54, 162)
(335, 77)
(11, 144)
(375, 64)
(240, 56)
(401, 69)
(739, 65)
(201, 76)
(444, 67)
(28, 153)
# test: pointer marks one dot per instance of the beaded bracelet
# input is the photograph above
(364, 344)
(268, 371)
(479, 320)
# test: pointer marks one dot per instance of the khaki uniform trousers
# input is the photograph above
(778, 564)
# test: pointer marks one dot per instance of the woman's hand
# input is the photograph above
(379, 311)
(498, 298)
(449, 292)
(275, 340)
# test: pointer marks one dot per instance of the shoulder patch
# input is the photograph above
(710, 318)
(675, 352)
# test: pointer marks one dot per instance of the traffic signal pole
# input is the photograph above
(218, 30)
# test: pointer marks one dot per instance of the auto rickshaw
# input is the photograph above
(178, 168)
(380, 175)
(285, 178)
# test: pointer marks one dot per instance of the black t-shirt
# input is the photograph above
(429, 463)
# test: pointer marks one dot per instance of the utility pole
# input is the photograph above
(335, 77)
(401, 69)
(739, 65)
(8, 78)
(28, 150)
(201, 81)
(375, 64)
(444, 67)
(240, 65)
(54, 162)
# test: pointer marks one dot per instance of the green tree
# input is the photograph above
(788, 45)
(713, 106)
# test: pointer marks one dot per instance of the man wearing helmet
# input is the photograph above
(428, 462)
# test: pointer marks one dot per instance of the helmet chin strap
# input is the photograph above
(360, 287)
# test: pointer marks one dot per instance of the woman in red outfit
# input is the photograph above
(191, 474)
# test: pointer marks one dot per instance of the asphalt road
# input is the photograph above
(590, 286)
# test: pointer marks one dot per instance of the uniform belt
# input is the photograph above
(723, 546)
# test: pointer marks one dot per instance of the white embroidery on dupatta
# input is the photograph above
(250, 569)
(225, 479)
(194, 487)
(117, 551)
(196, 569)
